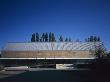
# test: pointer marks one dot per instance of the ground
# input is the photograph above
(56, 76)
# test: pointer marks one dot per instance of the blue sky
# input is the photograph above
(77, 19)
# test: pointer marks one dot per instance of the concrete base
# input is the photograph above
(64, 66)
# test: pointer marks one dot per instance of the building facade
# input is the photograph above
(50, 49)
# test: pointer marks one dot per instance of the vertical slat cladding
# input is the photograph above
(46, 54)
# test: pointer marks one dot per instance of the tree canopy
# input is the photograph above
(93, 39)
(33, 37)
(47, 37)
(50, 37)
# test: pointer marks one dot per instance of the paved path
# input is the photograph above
(4, 74)
(54, 75)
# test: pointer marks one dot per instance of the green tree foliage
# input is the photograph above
(69, 39)
(53, 38)
(99, 52)
(37, 37)
(98, 38)
(43, 37)
(61, 39)
(88, 40)
(33, 37)
(46, 37)
(50, 37)
(93, 39)
(66, 40)
(108, 54)
(41, 40)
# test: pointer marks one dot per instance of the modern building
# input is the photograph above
(60, 55)
(50, 49)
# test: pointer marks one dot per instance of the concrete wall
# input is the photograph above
(44, 54)
(64, 66)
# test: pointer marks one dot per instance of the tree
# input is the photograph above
(46, 37)
(91, 38)
(95, 39)
(33, 37)
(108, 54)
(37, 37)
(61, 39)
(50, 37)
(99, 52)
(43, 37)
(53, 37)
(66, 40)
(69, 39)
(98, 39)
(88, 39)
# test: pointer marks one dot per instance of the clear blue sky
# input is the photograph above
(75, 18)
